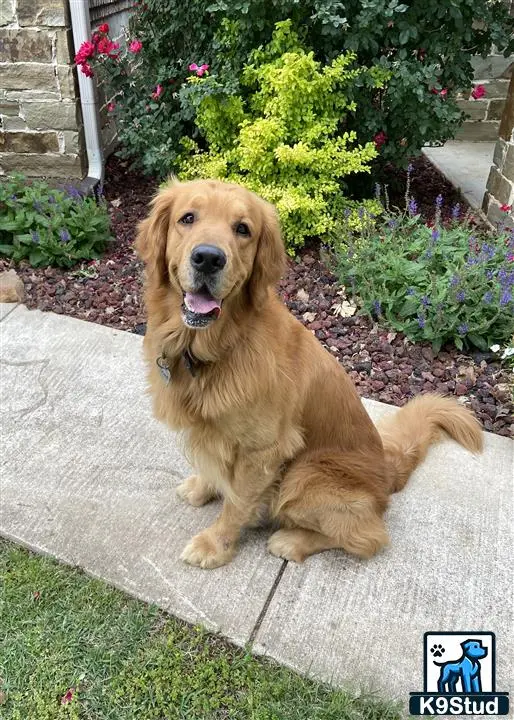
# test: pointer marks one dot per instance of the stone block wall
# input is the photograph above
(40, 122)
(493, 72)
(500, 184)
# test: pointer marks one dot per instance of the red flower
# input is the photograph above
(157, 92)
(87, 69)
(505, 207)
(111, 106)
(478, 92)
(135, 46)
(104, 28)
(379, 139)
(86, 51)
(68, 696)
(107, 47)
(443, 93)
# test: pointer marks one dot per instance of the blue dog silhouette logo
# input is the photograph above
(459, 676)
(466, 669)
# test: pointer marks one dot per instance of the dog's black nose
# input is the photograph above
(208, 259)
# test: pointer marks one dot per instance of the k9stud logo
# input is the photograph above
(459, 676)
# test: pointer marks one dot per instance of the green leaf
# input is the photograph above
(458, 342)
(478, 341)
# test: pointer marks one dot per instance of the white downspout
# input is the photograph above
(81, 26)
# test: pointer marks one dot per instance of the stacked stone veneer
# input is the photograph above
(484, 115)
(500, 184)
(39, 109)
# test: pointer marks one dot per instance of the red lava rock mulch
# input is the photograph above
(382, 364)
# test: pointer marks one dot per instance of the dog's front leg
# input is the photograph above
(253, 474)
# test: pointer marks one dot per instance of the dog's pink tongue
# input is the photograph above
(201, 303)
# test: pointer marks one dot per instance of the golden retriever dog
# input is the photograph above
(272, 421)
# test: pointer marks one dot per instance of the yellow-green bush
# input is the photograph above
(284, 137)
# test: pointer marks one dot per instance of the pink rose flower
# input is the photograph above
(157, 92)
(86, 51)
(478, 92)
(135, 46)
(198, 69)
(87, 69)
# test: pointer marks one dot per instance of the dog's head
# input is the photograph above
(210, 242)
(474, 649)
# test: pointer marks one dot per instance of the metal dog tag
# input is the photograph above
(164, 369)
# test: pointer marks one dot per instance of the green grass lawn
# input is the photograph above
(72, 647)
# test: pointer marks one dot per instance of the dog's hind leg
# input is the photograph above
(323, 504)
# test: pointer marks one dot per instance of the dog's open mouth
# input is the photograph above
(200, 308)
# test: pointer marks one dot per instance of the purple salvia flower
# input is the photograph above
(455, 280)
(411, 291)
(460, 296)
(65, 236)
(413, 207)
(456, 211)
(506, 297)
(488, 298)
(435, 235)
(421, 321)
(463, 329)
(425, 301)
(35, 237)
(377, 307)
(439, 200)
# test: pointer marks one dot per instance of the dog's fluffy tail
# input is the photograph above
(410, 432)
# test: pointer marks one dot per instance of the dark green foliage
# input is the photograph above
(48, 226)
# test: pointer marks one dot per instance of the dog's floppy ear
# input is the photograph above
(270, 257)
(152, 235)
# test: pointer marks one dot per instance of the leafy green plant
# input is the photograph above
(448, 282)
(425, 45)
(287, 140)
(49, 226)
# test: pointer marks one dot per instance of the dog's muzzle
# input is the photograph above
(201, 307)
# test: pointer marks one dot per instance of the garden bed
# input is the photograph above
(383, 365)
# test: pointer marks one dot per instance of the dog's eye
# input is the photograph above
(242, 229)
(187, 219)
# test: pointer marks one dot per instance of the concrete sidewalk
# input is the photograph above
(88, 476)
(466, 165)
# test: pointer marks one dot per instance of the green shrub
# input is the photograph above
(286, 141)
(425, 45)
(449, 282)
(47, 226)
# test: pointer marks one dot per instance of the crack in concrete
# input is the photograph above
(267, 603)
(179, 595)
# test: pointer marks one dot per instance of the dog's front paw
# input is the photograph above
(206, 551)
(284, 544)
(195, 491)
